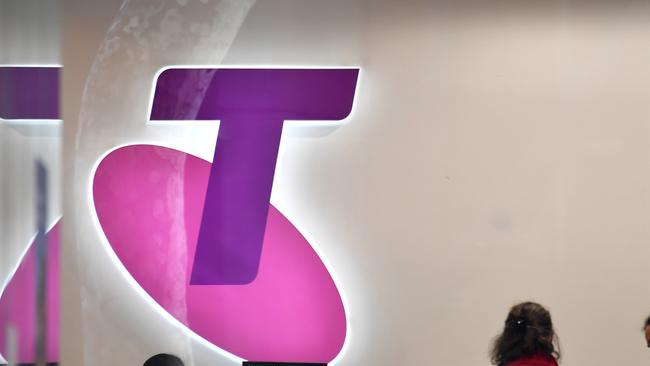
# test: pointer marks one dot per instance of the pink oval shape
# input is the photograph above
(149, 201)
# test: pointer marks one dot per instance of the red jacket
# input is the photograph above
(537, 360)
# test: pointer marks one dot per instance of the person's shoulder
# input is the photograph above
(537, 360)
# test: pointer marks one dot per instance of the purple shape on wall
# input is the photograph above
(252, 105)
(29, 92)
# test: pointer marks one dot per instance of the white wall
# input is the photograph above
(29, 32)
(498, 153)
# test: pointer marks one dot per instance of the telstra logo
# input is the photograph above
(252, 284)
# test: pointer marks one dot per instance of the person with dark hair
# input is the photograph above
(528, 338)
(646, 329)
(163, 359)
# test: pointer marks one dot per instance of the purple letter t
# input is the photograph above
(252, 105)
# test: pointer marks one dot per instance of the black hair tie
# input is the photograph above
(520, 324)
(516, 324)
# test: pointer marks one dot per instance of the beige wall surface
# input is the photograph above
(498, 152)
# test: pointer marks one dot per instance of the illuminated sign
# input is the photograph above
(202, 238)
(29, 92)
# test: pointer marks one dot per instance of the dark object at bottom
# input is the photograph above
(250, 363)
(164, 359)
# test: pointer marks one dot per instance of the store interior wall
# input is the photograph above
(497, 153)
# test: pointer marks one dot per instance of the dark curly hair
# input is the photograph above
(528, 331)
